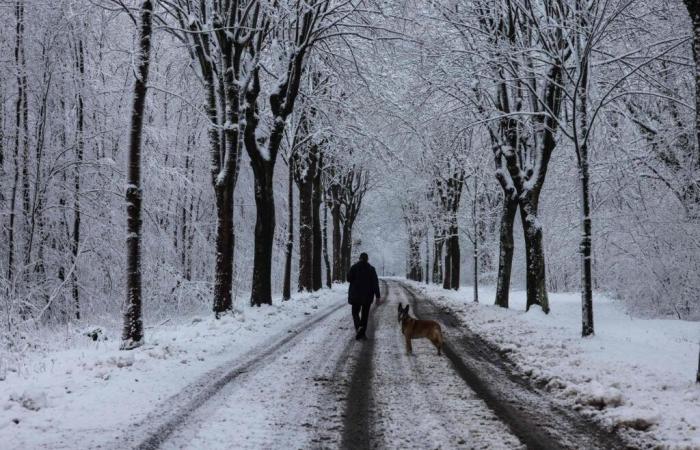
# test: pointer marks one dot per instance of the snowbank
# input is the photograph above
(634, 375)
(88, 395)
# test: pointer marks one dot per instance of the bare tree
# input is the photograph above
(132, 335)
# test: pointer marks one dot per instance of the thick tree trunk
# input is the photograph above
(306, 243)
(534, 247)
(287, 284)
(261, 292)
(505, 259)
(316, 268)
(223, 270)
(132, 335)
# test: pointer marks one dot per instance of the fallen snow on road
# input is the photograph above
(634, 375)
(90, 393)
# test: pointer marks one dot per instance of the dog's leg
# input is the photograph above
(436, 343)
(409, 348)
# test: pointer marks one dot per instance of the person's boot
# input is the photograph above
(360, 333)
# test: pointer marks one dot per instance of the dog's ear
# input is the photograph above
(400, 308)
(407, 306)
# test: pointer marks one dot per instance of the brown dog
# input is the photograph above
(415, 329)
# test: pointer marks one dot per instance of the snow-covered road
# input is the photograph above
(319, 388)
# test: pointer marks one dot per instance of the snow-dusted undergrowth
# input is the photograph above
(634, 374)
(83, 393)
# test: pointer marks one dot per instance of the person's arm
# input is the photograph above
(375, 283)
(351, 274)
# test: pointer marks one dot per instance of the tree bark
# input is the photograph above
(338, 273)
(694, 11)
(264, 233)
(329, 280)
(132, 335)
(287, 284)
(581, 147)
(427, 257)
(534, 247)
(306, 243)
(346, 248)
(438, 242)
(79, 150)
(223, 275)
(455, 255)
(317, 239)
(505, 259)
(447, 267)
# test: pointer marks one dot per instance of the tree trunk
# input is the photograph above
(223, 270)
(437, 258)
(338, 273)
(329, 281)
(534, 248)
(455, 256)
(306, 243)
(287, 284)
(505, 259)
(694, 12)
(476, 255)
(79, 150)
(427, 257)
(447, 267)
(586, 255)
(346, 249)
(317, 275)
(581, 147)
(261, 292)
(132, 335)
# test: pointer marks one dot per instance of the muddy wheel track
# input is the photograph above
(536, 420)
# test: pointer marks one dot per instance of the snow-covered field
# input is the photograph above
(87, 395)
(635, 374)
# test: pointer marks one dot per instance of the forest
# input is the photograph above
(162, 157)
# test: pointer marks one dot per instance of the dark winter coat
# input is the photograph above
(364, 285)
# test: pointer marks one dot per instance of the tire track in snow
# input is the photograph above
(359, 414)
(420, 401)
(537, 420)
(278, 404)
(158, 425)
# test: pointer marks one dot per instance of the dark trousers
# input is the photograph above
(360, 315)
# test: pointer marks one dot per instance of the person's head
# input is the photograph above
(364, 257)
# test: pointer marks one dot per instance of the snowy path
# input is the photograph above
(319, 388)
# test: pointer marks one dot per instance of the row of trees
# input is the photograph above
(240, 79)
(530, 78)
(587, 96)
(231, 43)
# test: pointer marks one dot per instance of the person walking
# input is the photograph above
(364, 288)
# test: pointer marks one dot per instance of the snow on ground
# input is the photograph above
(87, 395)
(634, 374)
